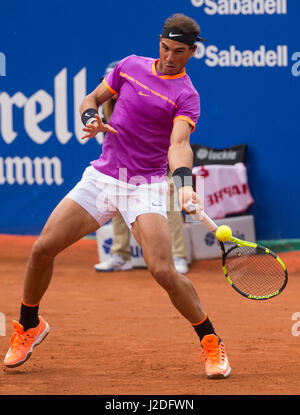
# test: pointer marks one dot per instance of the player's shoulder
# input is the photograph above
(189, 88)
(133, 64)
(136, 58)
(188, 82)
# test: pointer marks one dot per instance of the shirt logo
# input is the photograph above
(144, 95)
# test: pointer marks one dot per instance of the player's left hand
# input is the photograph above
(96, 127)
(186, 196)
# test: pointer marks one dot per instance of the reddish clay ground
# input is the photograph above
(118, 334)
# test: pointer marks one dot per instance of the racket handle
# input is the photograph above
(191, 207)
(212, 226)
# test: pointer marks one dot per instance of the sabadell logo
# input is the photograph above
(233, 57)
(244, 7)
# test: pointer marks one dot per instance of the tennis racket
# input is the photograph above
(254, 271)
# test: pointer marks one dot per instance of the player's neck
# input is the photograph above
(161, 71)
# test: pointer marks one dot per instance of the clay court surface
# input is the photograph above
(118, 334)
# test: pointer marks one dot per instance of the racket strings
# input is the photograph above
(254, 272)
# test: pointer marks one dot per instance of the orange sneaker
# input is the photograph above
(22, 342)
(214, 357)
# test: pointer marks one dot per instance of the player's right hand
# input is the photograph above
(97, 127)
(190, 201)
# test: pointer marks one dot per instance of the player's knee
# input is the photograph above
(41, 251)
(164, 276)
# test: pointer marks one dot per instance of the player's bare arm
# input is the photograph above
(89, 112)
(181, 156)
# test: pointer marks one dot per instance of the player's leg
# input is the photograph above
(84, 209)
(68, 223)
(152, 233)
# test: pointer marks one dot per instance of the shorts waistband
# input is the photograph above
(111, 180)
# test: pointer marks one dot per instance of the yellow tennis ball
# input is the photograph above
(224, 233)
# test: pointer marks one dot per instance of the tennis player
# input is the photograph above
(120, 255)
(156, 111)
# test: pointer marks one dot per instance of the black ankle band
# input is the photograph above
(29, 316)
(204, 328)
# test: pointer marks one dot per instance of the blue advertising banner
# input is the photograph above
(53, 53)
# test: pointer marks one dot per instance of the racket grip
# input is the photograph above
(211, 225)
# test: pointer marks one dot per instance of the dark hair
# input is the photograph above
(183, 23)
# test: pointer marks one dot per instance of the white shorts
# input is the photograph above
(103, 196)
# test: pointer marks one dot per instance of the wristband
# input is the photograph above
(183, 177)
(88, 116)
